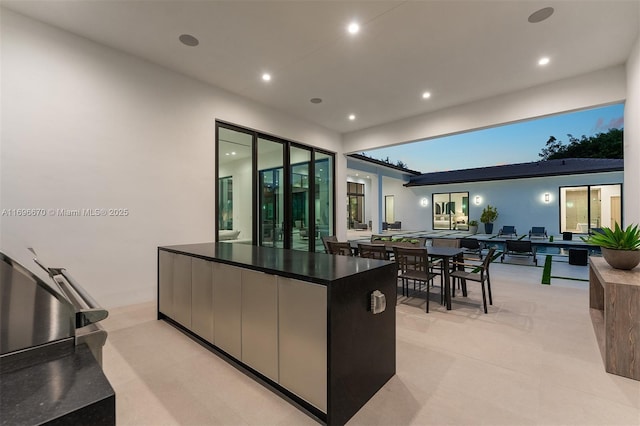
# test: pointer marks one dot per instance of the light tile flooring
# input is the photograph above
(533, 360)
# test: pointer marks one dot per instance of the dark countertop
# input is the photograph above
(319, 268)
(70, 389)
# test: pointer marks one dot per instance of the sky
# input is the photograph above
(508, 144)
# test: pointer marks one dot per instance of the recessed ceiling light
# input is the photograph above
(543, 61)
(352, 117)
(188, 40)
(226, 153)
(266, 76)
(315, 100)
(540, 15)
(426, 95)
(233, 153)
(353, 28)
(357, 174)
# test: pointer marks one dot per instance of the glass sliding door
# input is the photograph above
(583, 208)
(441, 211)
(389, 209)
(299, 190)
(270, 192)
(451, 211)
(460, 211)
(234, 172)
(355, 197)
(323, 203)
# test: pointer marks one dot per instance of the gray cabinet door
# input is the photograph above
(182, 290)
(165, 282)
(202, 298)
(260, 322)
(227, 308)
(302, 345)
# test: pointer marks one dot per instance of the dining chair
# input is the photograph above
(326, 239)
(471, 246)
(478, 273)
(340, 248)
(373, 251)
(444, 242)
(413, 264)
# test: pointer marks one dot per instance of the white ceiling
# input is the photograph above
(460, 51)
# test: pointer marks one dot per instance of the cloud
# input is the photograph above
(614, 123)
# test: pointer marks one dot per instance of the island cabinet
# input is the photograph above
(300, 322)
(614, 299)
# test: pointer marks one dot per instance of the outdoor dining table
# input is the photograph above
(444, 253)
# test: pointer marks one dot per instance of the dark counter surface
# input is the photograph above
(318, 268)
(69, 390)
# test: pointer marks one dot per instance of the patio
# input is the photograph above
(533, 360)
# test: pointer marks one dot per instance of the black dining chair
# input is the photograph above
(478, 273)
(373, 251)
(326, 239)
(339, 248)
(413, 264)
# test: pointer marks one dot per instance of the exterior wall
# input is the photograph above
(632, 138)
(86, 126)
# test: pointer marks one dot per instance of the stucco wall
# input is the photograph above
(632, 138)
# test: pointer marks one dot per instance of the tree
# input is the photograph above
(553, 147)
(601, 145)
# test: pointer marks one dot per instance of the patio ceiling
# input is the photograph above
(459, 51)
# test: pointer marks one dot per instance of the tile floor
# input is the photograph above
(533, 360)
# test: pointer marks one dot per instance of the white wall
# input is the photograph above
(589, 90)
(631, 197)
(520, 202)
(86, 126)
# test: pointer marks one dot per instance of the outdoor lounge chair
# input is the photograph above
(519, 248)
(538, 232)
(507, 230)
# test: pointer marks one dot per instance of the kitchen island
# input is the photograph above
(300, 322)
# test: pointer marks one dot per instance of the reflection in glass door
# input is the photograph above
(234, 173)
(225, 203)
(271, 199)
(299, 181)
(323, 197)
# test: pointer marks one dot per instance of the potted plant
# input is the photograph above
(620, 248)
(488, 216)
(473, 226)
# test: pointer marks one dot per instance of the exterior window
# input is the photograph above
(583, 208)
(451, 211)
